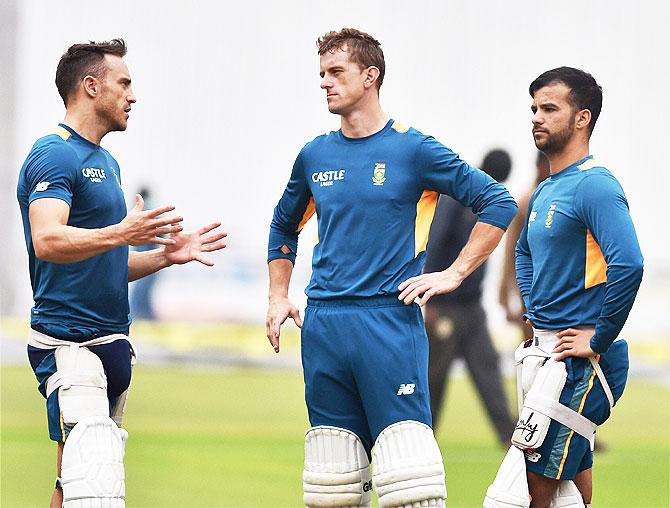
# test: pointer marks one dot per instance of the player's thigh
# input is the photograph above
(564, 453)
(116, 360)
(331, 394)
(43, 363)
(392, 368)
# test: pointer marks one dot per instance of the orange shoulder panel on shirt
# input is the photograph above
(63, 133)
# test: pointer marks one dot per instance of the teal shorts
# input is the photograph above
(564, 453)
(365, 364)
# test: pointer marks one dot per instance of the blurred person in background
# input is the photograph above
(509, 295)
(456, 321)
(77, 232)
(373, 185)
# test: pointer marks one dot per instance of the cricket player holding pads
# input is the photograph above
(579, 266)
(373, 185)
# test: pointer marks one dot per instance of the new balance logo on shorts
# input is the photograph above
(406, 389)
(532, 456)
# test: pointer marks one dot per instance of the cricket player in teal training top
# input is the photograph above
(77, 232)
(373, 185)
(579, 266)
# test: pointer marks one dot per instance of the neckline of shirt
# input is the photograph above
(569, 168)
(381, 132)
(78, 136)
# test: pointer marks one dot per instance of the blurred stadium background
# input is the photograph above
(227, 95)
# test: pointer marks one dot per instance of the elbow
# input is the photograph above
(41, 249)
(632, 270)
(44, 250)
(637, 269)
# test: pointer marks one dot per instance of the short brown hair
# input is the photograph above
(81, 60)
(363, 49)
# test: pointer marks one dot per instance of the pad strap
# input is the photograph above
(43, 341)
(91, 378)
(603, 381)
(562, 414)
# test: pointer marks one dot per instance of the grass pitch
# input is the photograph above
(233, 438)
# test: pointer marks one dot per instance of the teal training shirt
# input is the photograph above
(90, 297)
(578, 261)
(375, 198)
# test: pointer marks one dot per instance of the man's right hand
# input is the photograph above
(279, 311)
(142, 227)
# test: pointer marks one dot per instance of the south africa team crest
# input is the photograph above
(550, 216)
(379, 173)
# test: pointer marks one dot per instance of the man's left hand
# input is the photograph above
(427, 285)
(574, 342)
(190, 246)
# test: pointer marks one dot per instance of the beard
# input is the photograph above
(556, 142)
(115, 123)
(112, 116)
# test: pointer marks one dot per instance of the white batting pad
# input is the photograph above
(510, 486)
(337, 470)
(408, 468)
(92, 473)
(567, 496)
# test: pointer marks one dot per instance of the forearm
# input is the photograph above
(61, 243)
(141, 264)
(482, 242)
(280, 271)
(508, 279)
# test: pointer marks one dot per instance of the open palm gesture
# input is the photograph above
(191, 246)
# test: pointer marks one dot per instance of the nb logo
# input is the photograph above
(533, 456)
(367, 486)
(406, 389)
(42, 186)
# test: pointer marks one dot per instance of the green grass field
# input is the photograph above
(206, 437)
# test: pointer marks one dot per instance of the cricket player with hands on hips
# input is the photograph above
(578, 267)
(373, 185)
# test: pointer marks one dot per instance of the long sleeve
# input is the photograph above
(295, 207)
(601, 204)
(524, 262)
(443, 171)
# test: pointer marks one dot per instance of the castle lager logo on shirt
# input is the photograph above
(327, 178)
(379, 173)
(95, 174)
(550, 216)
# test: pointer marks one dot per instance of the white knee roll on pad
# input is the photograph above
(510, 486)
(337, 470)
(532, 427)
(567, 496)
(81, 383)
(92, 473)
(408, 468)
